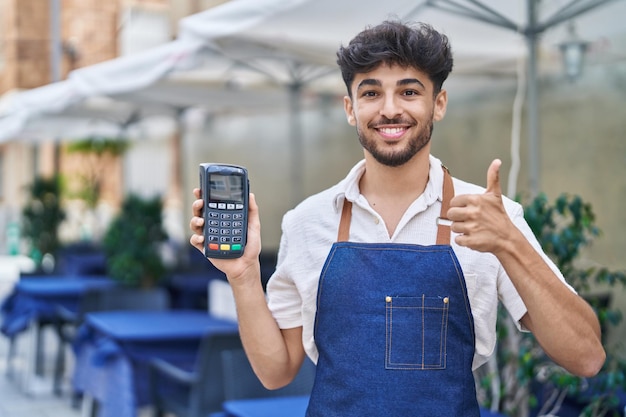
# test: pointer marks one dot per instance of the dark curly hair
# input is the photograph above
(393, 42)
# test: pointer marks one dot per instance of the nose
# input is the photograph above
(391, 108)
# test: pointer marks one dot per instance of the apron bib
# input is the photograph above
(394, 329)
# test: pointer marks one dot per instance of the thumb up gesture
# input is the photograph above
(480, 219)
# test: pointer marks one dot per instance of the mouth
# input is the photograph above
(391, 133)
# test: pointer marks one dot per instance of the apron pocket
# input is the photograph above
(416, 329)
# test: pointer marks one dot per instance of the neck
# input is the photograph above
(404, 182)
(391, 190)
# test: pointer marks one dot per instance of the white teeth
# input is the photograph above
(391, 130)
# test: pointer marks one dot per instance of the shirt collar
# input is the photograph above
(348, 188)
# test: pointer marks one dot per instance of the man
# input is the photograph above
(390, 280)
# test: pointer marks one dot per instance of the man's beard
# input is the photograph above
(402, 156)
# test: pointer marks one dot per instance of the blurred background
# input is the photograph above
(180, 82)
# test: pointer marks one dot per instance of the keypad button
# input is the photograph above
(225, 228)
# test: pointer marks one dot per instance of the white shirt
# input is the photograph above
(310, 229)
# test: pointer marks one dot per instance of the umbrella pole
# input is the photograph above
(296, 141)
(534, 152)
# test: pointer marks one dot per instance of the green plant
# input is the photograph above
(133, 240)
(563, 229)
(95, 151)
(41, 217)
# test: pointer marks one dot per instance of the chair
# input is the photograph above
(121, 298)
(109, 299)
(13, 311)
(245, 395)
(240, 381)
(196, 390)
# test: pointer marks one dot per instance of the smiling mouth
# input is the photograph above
(391, 132)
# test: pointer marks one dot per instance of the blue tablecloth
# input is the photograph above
(114, 350)
(268, 407)
(38, 298)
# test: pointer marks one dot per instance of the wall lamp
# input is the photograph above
(573, 51)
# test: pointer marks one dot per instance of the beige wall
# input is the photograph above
(25, 40)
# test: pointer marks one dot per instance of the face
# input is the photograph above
(393, 110)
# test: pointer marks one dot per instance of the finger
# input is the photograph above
(196, 193)
(197, 207)
(493, 178)
(197, 241)
(253, 211)
(196, 224)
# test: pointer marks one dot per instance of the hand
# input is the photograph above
(231, 267)
(480, 219)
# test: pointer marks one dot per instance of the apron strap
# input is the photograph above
(344, 223)
(443, 224)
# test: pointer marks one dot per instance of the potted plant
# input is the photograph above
(524, 381)
(133, 240)
(41, 218)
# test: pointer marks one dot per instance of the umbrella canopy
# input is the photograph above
(123, 74)
(293, 43)
(245, 45)
(483, 33)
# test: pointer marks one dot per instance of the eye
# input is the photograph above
(411, 93)
(369, 93)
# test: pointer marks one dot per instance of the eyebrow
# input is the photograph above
(377, 83)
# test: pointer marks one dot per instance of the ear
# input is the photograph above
(441, 103)
(349, 109)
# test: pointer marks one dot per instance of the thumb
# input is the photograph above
(493, 178)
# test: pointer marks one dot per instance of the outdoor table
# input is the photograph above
(35, 301)
(37, 298)
(292, 406)
(114, 350)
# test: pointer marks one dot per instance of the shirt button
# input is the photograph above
(376, 220)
